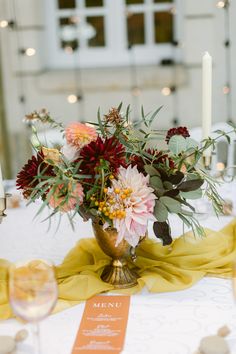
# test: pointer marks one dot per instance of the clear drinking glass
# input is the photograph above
(33, 293)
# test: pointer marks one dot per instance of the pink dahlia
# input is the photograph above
(67, 196)
(79, 134)
(135, 201)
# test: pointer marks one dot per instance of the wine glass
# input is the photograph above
(33, 293)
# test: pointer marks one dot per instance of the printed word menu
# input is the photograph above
(103, 325)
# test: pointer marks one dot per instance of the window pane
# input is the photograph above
(158, 1)
(135, 25)
(130, 2)
(93, 3)
(66, 4)
(98, 24)
(163, 22)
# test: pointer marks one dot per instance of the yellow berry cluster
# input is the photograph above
(105, 208)
(113, 204)
(123, 193)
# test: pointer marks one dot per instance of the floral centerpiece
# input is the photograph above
(113, 173)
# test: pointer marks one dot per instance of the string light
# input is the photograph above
(3, 23)
(7, 23)
(220, 166)
(166, 91)
(72, 99)
(27, 51)
(30, 52)
(220, 4)
(173, 10)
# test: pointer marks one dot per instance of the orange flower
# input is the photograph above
(79, 134)
(67, 197)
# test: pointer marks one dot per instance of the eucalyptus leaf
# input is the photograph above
(177, 144)
(151, 171)
(191, 143)
(168, 185)
(160, 211)
(159, 192)
(156, 182)
(162, 231)
(191, 185)
(192, 195)
(176, 178)
(173, 206)
(172, 193)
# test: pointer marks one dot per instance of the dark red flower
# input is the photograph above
(159, 158)
(95, 153)
(177, 131)
(27, 177)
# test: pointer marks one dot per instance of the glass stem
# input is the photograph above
(36, 338)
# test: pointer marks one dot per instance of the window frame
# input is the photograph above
(116, 52)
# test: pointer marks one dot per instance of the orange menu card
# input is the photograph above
(103, 325)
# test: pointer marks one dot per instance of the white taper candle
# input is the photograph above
(206, 98)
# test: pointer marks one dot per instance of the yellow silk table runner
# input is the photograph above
(161, 269)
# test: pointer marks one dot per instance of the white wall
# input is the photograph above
(202, 28)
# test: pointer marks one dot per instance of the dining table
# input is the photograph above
(163, 323)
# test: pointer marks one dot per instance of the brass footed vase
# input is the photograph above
(117, 272)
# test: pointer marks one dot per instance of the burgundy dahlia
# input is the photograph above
(109, 150)
(159, 158)
(177, 131)
(27, 177)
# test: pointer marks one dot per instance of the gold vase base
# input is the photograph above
(119, 275)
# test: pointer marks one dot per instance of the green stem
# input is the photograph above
(203, 148)
(103, 182)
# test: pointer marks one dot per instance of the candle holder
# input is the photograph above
(207, 162)
(229, 173)
(3, 206)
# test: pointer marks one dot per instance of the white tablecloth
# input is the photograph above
(168, 323)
